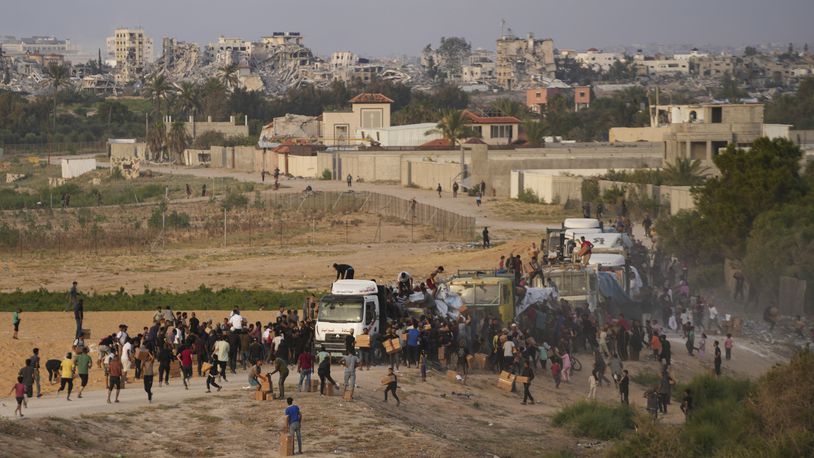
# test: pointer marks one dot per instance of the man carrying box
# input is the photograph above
(292, 412)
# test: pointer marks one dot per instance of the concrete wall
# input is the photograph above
(128, 151)
(676, 197)
(196, 157)
(548, 188)
(228, 128)
(637, 134)
(72, 168)
(303, 166)
(243, 158)
(428, 175)
(372, 167)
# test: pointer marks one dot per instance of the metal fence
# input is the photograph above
(449, 225)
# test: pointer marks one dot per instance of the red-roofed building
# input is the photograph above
(368, 111)
(494, 130)
(368, 97)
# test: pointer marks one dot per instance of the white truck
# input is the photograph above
(353, 305)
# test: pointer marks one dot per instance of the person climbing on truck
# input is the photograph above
(343, 271)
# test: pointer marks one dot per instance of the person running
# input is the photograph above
(66, 370)
(281, 367)
(529, 374)
(83, 364)
(164, 361)
(115, 372)
(592, 382)
(147, 373)
(294, 416)
(324, 370)
(391, 386)
(222, 353)
(15, 321)
(438, 189)
(19, 394)
(555, 372)
(212, 375)
(185, 358)
(624, 387)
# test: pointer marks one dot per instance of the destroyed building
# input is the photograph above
(523, 61)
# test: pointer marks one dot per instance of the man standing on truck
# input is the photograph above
(343, 271)
(585, 250)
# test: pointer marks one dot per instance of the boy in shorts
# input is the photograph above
(19, 393)
(115, 370)
(83, 365)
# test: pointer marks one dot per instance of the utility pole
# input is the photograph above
(224, 226)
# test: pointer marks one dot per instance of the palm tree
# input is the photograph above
(453, 127)
(228, 76)
(58, 76)
(189, 98)
(535, 132)
(509, 107)
(156, 89)
(685, 172)
(157, 138)
(178, 139)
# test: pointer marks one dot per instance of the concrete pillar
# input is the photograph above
(709, 150)
(232, 120)
(688, 150)
(209, 119)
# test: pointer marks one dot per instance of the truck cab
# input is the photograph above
(353, 305)
(485, 292)
(576, 285)
(571, 227)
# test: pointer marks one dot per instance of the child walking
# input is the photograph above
(19, 393)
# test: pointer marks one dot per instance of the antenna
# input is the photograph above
(502, 27)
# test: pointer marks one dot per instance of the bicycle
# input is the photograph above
(575, 364)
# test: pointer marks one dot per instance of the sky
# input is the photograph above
(397, 27)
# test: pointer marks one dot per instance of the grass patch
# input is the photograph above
(207, 418)
(202, 298)
(596, 420)
(647, 378)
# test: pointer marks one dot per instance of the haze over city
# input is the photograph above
(388, 27)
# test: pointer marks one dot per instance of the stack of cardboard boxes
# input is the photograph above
(392, 346)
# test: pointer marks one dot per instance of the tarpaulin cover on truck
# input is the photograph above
(615, 298)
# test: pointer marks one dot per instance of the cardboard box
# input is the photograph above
(286, 444)
(315, 385)
(520, 379)
(265, 385)
(284, 424)
(504, 385)
(427, 327)
(348, 395)
(175, 370)
(363, 341)
(441, 353)
(259, 396)
(479, 361)
(387, 379)
(452, 375)
(329, 389)
(463, 309)
(469, 360)
(507, 376)
(392, 346)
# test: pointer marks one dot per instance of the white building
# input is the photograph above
(598, 60)
(407, 135)
(132, 50)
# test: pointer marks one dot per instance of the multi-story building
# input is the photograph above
(523, 61)
(132, 50)
(229, 50)
(36, 45)
(662, 67)
(537, 98)
(714, 66)
(597, 60)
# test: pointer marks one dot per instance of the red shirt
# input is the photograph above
(19, 390)
(186, 357)
(555, 369)
(115, 367)
(306, 361)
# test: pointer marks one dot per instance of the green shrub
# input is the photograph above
(235, 199)
(326, 175)
(646, 379)
(613, 195)
(590, 190)
(528, 196)
(596, 420)
(202, 298)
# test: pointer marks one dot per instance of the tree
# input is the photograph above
(452, 52)
(157, 139)
(535, 132)
(730, 89)
(751, 182)
(178, 139)
(750, 51)
(453, 127)
(687, 235)
(214, 99)
(228, 76)
(157, 89)
(189, 98)
(508, 107)
(58, 76)
(684, 172)
(781, 242)
(796, 109)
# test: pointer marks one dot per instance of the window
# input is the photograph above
(717, 115)
(501, 131)
(371, 118)
(477, 130)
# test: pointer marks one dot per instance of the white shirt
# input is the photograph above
(266, 335)
(507, 348)
(713, 312)
(126, 349)
(122, 336)
(275, 343)
(236, 321)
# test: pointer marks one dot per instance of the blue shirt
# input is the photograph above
(293, 413)
(412, 337)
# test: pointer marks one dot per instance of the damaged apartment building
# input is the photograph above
(522, 62)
